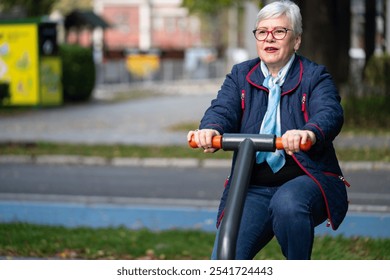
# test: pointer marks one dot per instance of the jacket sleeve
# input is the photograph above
(325, 111)
(224, 114)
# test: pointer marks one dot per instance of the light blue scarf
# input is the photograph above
(271, 121)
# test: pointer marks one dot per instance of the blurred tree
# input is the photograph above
(31, 8)
(369, 29)
(210, 7)
(326, 35)
(215, 18)
(66, 6)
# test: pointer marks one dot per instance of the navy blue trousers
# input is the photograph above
(289, 212)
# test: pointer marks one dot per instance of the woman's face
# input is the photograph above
(276, 53)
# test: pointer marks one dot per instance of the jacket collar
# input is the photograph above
(255, 77)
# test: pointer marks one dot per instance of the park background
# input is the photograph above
(119, 51)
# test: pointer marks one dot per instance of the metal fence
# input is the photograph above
(115, 72)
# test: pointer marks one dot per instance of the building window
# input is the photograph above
(182, 24)
(121, 22)
(158, 24)
(170, 25)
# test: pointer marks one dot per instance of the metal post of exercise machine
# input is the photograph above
(246, 146)
(230, 224)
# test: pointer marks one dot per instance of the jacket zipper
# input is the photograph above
(305, 113)
(340, 177)
(243, 99)
(343, 180)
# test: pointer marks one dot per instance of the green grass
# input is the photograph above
(25, 240)
(364, 154)
(106, 151)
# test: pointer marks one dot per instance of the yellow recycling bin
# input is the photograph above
(142, 65)
(30, 66)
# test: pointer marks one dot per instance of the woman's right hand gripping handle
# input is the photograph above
(207, 139)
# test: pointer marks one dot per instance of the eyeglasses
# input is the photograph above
(278, 33)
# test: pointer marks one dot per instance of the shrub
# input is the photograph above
(78, 72)
(377, 73)
(4, 92)
(369, 112)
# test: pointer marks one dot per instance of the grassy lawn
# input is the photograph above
(106, 151)
(120, 243)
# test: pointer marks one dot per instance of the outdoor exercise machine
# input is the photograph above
(246, 146)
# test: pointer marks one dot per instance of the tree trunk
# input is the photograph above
(369, 28)
(326, 35)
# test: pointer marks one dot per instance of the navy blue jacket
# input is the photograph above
(310, 101)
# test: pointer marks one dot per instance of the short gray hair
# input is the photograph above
(279, 8)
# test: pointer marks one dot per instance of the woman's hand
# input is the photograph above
(203, 138)
(293, 138)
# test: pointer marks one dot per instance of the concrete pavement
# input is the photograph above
(144, 122)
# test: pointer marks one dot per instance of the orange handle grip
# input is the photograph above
(303, 147)
(216, 142)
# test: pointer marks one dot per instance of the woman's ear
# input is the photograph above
(297, 42)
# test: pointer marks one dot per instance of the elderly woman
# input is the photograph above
(281, 93)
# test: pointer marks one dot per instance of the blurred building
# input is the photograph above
(144, 25)
(151, 40)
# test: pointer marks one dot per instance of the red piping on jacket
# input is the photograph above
(223, 211)
(252, 83)
(321, 189)
(220, 218)
(266, 89)
(316, 126)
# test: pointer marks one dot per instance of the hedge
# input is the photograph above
(78, 72)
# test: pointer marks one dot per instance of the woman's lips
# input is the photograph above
(270, 49)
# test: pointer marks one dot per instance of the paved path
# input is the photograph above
(145, 121)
